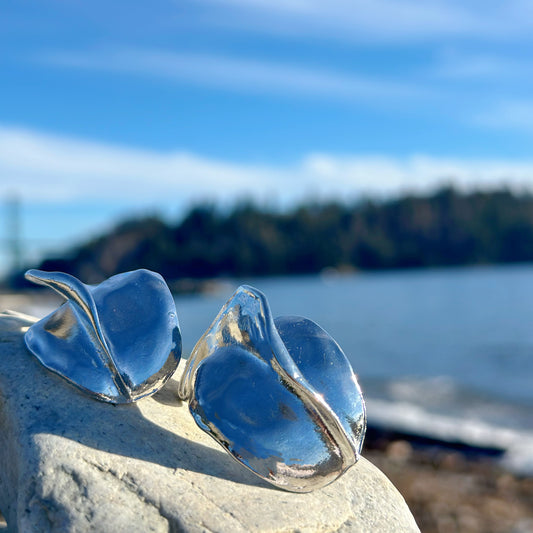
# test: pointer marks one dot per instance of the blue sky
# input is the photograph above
(110, 108)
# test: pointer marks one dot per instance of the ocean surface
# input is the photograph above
(442, 353)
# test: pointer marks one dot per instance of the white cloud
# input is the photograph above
(45, 167)
(417, 173)
(40, 167)
(236, 74)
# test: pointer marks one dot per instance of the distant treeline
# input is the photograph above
(443, 228)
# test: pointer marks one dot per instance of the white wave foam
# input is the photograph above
(515, 444)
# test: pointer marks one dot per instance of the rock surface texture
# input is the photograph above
(72, 463)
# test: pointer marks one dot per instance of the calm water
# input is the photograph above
(474, 326)
(449, 350)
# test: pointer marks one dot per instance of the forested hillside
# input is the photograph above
(444, 228)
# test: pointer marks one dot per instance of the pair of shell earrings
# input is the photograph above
(278, 395)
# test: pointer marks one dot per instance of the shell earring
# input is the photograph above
(118, 341)
(279, 395)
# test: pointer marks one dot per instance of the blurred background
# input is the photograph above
(366, 164)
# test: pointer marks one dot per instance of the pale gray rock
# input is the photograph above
(72, 463)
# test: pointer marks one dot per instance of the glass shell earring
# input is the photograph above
(279, 395)
(117, 341)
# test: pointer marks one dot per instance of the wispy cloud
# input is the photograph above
(236, 74)
(509, 114)
(40, 167)
(378, 20)
(464, 66)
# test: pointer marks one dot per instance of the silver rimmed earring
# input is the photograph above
(278, 395)
(117, 341)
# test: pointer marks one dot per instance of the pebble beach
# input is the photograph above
(450, 492)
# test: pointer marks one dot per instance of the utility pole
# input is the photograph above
(14, 238)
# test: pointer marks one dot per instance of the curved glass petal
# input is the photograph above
(279, 396)
(118, 341)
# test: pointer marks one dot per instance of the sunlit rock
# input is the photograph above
(69, 463)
